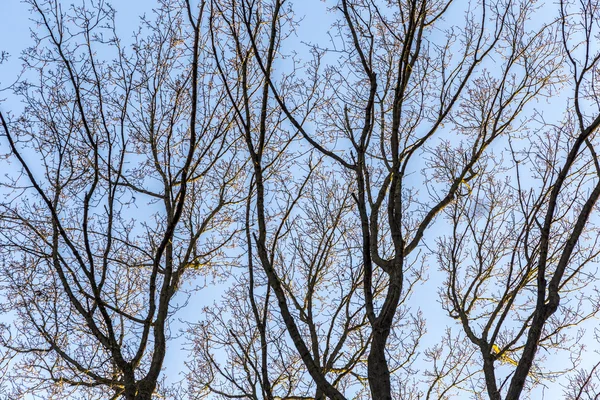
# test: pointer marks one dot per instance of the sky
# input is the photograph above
(14, 37)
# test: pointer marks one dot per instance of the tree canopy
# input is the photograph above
(404, 208)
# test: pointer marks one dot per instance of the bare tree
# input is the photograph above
(127, 175)
(296, 231)
(315, 268)
(396, 95)
(519, 258)
(333, 165)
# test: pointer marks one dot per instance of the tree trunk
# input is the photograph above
(378, 371)
(490, 379)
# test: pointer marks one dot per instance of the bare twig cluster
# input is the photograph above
(321, 186)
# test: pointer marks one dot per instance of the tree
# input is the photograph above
(127, 179)
(424, 133)
(518, 259)
(302, 259)
(396, 96)
(313, 259)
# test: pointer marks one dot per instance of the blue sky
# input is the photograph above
(14, 37)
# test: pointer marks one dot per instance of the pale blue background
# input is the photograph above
(14, 37)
